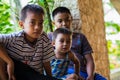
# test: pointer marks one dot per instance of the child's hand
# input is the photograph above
(10, 71)
(90, 78)
(81, 78)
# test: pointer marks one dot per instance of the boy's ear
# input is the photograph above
(21, 24)
(53, 43)
(53, 22)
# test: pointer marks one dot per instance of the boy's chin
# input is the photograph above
(36, 37)
(64, 51)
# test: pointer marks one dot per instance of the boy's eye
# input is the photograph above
(67, 20)
(41, 22)
(59, 21)
(32, 23)
(68, 41)
(61, 41)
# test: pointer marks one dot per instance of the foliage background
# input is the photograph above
(112, 24)
(5, 22)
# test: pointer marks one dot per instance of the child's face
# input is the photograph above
(33, 25)
(62, 20)
(62, 43)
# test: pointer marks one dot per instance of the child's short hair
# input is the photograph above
(61, 31)
(30, 8)
(60, 10)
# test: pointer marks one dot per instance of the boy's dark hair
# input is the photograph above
(61, 31)
(30, 8)
(60, 10)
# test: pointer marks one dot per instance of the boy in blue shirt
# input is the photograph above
(62, 40)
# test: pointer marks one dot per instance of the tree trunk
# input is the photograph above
(116, 4)
(91, 12)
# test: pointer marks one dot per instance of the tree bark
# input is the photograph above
(91, 12)
(116, 4)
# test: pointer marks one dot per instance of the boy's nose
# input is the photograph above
(36, 26)
(65, 43)
(64, 23)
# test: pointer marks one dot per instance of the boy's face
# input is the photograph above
(62, 20)
(33, 25)
(62, 43)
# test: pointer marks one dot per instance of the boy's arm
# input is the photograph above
(4, 56)
(3, 75)
(76, 62)
(90, 66)
(8, 61)
(47, 68)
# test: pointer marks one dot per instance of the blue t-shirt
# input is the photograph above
(60, 67)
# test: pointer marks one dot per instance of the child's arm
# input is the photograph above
(8, 61)
(3, 75)
(90, 66)
(76, 62)
(47, 68)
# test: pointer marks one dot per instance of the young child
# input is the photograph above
(62, 40)
(80, 45)
(30, 48)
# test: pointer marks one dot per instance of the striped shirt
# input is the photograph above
(34, 56)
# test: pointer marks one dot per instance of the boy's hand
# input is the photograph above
(80, 78)
(90, 78)
(10, 71)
